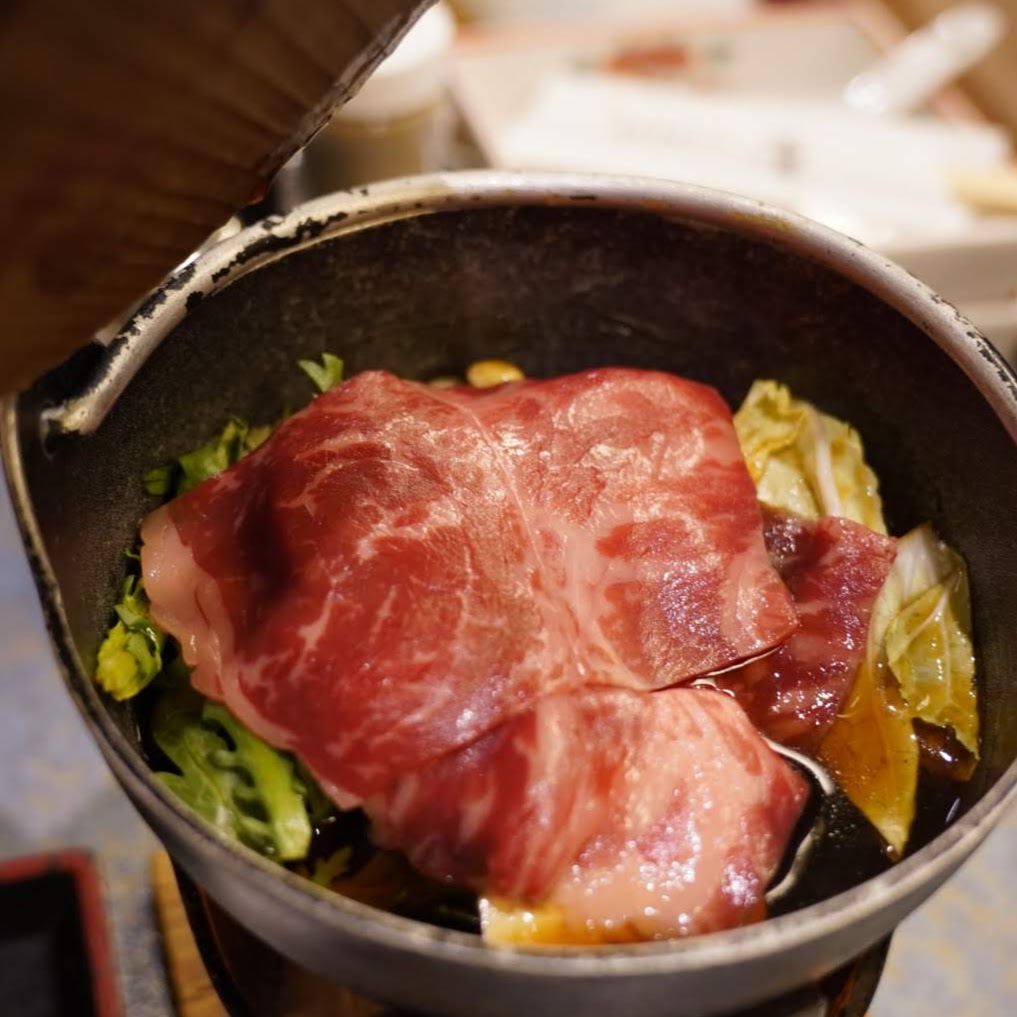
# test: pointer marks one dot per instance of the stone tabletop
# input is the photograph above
(955, 956)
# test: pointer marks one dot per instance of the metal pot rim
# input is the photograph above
(350, 211)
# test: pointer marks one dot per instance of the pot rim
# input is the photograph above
(349, 211)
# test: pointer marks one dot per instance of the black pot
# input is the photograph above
(556, 274)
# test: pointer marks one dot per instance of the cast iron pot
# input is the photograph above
(557, 274)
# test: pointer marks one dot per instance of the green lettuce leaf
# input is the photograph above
(804, 461)
(325, 375)
(131, 655)
(235, 440)
(232, 778)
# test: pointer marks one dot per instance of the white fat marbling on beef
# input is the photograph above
(399, 569)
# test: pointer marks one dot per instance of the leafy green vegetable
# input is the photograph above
(325, 375)
(232, 778)
(131, 654)
(319, 805)
(332, 867)
(804, 461)
(211, 459)
(160, 480)
(235, 440)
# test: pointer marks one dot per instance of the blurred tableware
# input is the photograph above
(528, 10)
(400, 122)
(876, 178)
(914, 70)
(56, 957)
(992, 190)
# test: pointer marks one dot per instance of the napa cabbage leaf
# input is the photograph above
(919, 664)
(919, 661)
(804, 461)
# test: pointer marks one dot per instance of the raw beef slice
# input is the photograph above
(626, 815)
(835, 569)
(399, 569)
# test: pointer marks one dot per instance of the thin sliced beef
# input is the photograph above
(632, 815)
(834, 569)
(400, 569)
(641, 511)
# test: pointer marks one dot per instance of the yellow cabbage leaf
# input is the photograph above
(804, 461)
(928, 643)
(872, 753)
(919, 664)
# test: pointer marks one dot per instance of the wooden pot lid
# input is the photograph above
(133, 130)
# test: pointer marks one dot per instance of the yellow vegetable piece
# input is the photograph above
(131, 654)
(488, 373)
(804, 461)
(929, 650)
(872, 753)
(120, 666)
(919, 664)
(327, 870)
(510, 923)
